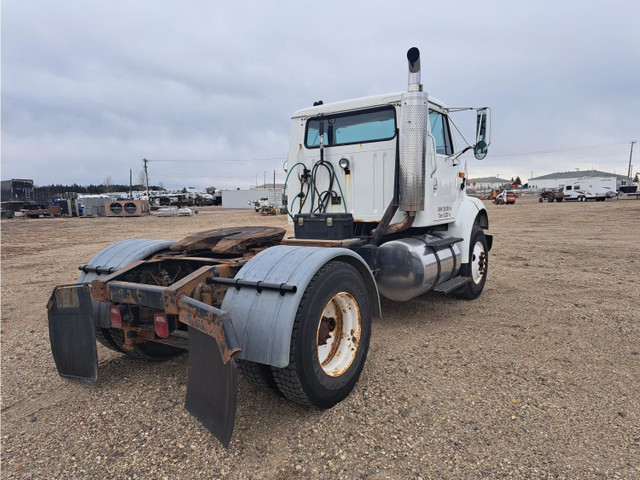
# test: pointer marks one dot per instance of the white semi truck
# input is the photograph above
(377, 195)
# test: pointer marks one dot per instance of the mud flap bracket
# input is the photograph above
(72, 334)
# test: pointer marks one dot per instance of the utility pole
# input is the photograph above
(630, 155)
(146, 176)
(264, 184)
(130, 183)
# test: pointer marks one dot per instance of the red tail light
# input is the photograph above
(115, 315)
(161, 325)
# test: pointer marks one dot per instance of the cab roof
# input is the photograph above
(357, 104)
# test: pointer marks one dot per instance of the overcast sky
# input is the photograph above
(89, 88)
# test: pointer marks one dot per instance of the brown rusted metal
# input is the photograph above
(482, 263)
(308, 242)
(381, 229)
(337, 328)
(327, 325)
(234, 240)
(202, 317)
(404, 225)
(334, 326)
(135, 294)
(99, 286)
(135, 335)
(185, 286)
(188, 285)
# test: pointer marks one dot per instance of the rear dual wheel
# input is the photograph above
(330, 338)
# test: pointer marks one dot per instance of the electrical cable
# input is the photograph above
(286, 181)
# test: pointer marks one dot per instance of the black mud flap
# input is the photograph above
(212, 387)
(71, 333)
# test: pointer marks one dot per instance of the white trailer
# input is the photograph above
(590, 188)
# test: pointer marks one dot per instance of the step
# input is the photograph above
(451, 285)
(439, 242)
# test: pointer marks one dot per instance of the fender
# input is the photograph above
(263, 322)
(119, 255)
(471, 211)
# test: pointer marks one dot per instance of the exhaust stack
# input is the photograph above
(414, 126)
(413, 56)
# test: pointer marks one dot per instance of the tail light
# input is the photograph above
(161, 325)
(115, 315)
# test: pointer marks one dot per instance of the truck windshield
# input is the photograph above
(353, 127)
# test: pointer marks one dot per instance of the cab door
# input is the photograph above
(443, 179)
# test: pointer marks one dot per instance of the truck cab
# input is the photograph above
(360, 139)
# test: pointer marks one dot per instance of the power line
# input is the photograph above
(233, 177)
(544, 152)
(216, 160)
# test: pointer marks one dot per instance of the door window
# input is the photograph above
(440, 131)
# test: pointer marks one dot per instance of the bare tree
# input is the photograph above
(141, 178)
(107, 182)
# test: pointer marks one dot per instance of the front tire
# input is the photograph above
(330, 338)
(477, 267)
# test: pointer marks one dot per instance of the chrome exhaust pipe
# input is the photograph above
(414, 127)
(413, 56)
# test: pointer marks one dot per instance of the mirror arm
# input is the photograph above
(455, 156)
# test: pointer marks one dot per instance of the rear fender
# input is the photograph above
(263, 321)
(117, 256)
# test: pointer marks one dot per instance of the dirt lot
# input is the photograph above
(538, 378)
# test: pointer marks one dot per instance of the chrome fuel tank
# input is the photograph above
(409, 267)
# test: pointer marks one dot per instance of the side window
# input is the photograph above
(313, 135)
(440, 131)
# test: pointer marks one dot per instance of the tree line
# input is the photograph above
(53, 191)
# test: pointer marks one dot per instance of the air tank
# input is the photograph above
(411, 266)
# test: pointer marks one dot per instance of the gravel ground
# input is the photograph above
(538, 378)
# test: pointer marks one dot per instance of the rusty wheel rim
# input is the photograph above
(338, 334)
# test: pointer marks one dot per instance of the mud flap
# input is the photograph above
(212, 387)
(71, 333)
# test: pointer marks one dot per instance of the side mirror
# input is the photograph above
(483, 137)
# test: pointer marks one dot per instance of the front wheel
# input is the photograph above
(330, 338)
(477, 266)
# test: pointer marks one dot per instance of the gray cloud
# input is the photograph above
(91, 88)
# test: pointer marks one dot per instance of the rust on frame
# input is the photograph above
(203, 317)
